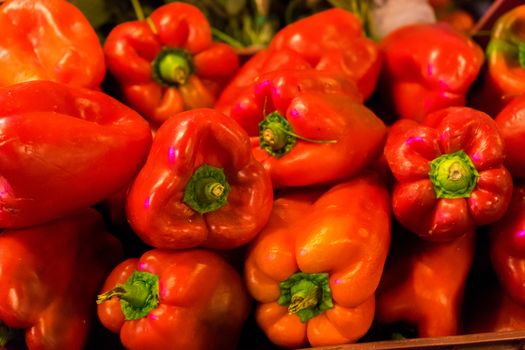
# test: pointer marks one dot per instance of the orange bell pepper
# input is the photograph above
(315, 267)
(423, 284)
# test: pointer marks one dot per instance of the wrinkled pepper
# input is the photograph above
(504, 76)
(511, 123)
(63, 148)
(200, 186)
(449, 173)
(427, 67)
(48, 40)
(50, 277)
(423, 285)
(507, 246)
(299, 119)
(169, 63)
(315, 267)
(331, 40)
(166, 299)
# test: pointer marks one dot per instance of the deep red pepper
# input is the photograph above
(310, 127)
(50, 277)
(423, 284)
(166, 299)
(48, 40)
(507, 247)
(511, 123)
(169, 64)
(63, 148)
(449, 171)
(200, 186)
(428, 67)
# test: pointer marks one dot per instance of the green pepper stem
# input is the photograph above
(138, 295)
(226, 38)
(135, 294)
(274, 133)
(306, 294)
(6, 334)
(172, 67)
(140, 15)
(277, 137)
(207, 189)
(453, 175)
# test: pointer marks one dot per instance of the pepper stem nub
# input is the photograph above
(207, 189)
(306, 294)
(453, 175)
(277, 137)
(138, 295)
(172, 67)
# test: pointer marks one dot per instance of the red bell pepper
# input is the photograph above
(315, 267)
(504, 76)
(175, 300)
(169, 64)
(63, 148)
(48, 40)
(449, 173)
(238, 95)
(507, 247)
(511, 123)
(50, 276)
(330, 40)
(423, 284)
(311, 127)
(334, 40)
(428, 67)
(200, 186)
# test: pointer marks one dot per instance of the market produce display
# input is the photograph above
(259, 174)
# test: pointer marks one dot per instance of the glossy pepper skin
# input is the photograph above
(48, 40)
(511, 123)
(507, 247)
(330, 41)
(169, 299)
(50, 276)
(304, 118)
(63, 148)
(315, 267)
(428, 67)
(334, 40)
(449, 173)
(169, 64)
(238, 95)
(423, 284)
(200, 186)
(504, 76)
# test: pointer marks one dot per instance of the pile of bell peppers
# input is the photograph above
(159, 192)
